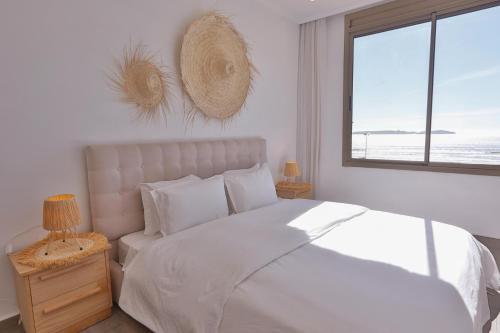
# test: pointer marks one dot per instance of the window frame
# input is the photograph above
(390, 16)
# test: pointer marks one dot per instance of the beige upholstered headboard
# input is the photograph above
(115, 171)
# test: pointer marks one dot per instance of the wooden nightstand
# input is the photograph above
(64, 299)
(287, 190)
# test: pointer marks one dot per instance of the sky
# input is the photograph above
(391, 76)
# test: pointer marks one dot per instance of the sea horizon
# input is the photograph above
(449, 148)
(399, 132)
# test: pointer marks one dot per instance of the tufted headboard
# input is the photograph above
(115, 171)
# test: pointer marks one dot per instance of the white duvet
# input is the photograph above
(310, 266)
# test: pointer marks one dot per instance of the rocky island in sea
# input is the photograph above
(402, 132)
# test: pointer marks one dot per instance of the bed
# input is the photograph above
(294, 266)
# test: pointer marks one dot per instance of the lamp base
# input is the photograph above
(61, 237)
(60, 248)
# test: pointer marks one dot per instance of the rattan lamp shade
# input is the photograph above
(292, 169)
(60, 212)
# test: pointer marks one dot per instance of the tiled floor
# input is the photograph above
(120, 322)
(495, 313)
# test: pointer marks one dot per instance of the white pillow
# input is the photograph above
(241, 171)
(189, 204)
(238, 172)
(251, 190)
(151, 219)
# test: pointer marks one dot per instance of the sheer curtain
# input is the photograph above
(311, 97)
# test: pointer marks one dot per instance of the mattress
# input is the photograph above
(131, 244)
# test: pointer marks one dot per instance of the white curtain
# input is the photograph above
(311, 97)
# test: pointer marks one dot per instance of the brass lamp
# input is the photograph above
(291, 171)
(61, 214)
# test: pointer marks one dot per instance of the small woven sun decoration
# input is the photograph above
(142, 82)
(216, 70)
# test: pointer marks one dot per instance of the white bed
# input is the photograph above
(309, 266)
(130, 244)
(295, 266)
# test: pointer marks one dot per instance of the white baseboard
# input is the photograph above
(5, 316)
(8, 308)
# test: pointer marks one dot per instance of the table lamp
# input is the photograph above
(61, 214)
(291, 171)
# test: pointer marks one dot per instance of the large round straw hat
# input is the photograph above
(215, 68)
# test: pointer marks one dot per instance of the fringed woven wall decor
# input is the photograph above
(215, 68)
(142, 82)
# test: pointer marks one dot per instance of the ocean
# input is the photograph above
(451, 148)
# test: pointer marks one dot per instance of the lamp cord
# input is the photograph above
(9, 242)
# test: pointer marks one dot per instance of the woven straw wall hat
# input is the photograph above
(141, 82)
(216, 71)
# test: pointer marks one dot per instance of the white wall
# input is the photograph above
(55, 100)
(467, 201)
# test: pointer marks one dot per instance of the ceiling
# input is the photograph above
(302, 11)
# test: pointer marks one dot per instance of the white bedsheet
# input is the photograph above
(293, 267)
(130, 244)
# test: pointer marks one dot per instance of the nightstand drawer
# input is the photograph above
(304, 195)
(49, 284)
(59, 313)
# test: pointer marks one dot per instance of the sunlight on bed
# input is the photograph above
(414, 244)
(315, 220)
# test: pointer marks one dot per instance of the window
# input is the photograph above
(390, 80)
(467, 89)
(422, 87)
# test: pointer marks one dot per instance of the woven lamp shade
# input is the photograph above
(292, 169)
(60, 212)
